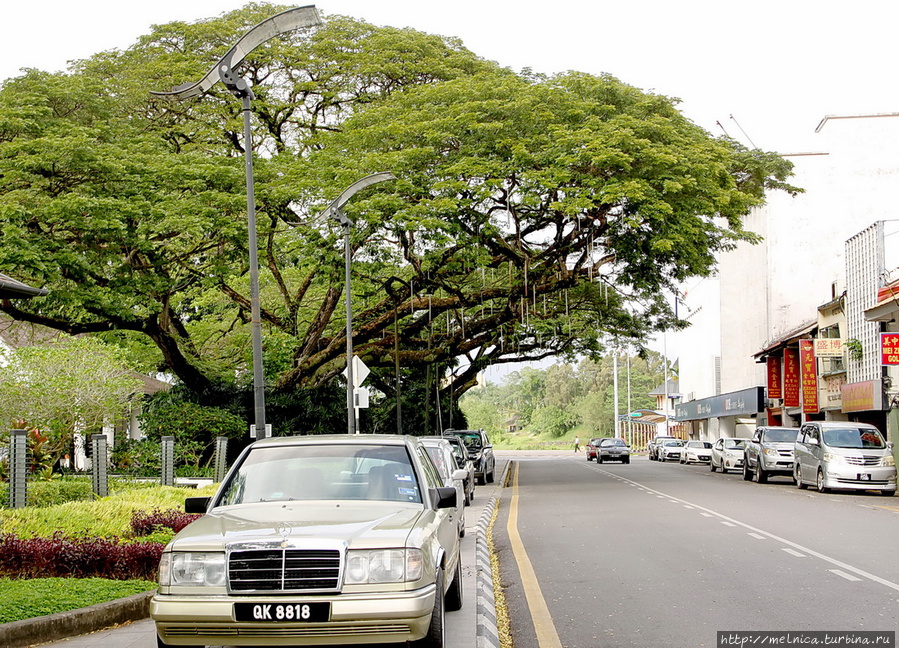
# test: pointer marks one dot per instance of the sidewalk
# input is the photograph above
(473, 625)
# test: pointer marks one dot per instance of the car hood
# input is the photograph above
(369, 524)
(778, 445)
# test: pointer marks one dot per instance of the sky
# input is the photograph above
(764, 72)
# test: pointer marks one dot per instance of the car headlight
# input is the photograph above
(888, 460)
(830, 457)
(383, 566)
(192, 568)
(771, 452)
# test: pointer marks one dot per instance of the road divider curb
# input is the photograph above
(487, 632)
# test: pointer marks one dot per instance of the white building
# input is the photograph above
(768, 294)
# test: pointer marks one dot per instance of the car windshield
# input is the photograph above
(612, 442)
(472, 441)
(734, 444)
(787, 435)
(323, 472)
(674, 443)
(854, 438)
(695, 444)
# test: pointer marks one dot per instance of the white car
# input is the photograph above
(441, 453)
(670, 450)
(696, 451)
(727, 454)
(334, 539)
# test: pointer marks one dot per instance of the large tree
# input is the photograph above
(532, 216)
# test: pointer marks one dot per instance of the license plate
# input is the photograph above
(282, 612)
(864, 476)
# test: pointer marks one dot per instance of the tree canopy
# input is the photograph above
(531, 216)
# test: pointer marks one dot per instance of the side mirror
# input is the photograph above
(444, 497)
(459, 474)
(812, 441)
(196, 504)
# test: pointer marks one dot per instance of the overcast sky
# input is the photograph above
(769, 68)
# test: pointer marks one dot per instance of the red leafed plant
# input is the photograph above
(143, 523)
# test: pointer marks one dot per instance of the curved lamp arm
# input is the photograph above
(334, 209)
(269, 28)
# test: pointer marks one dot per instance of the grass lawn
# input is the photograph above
(26, 599)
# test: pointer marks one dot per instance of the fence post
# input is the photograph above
(18, 468)
(99, 465)
(168, 461)
(221, 458)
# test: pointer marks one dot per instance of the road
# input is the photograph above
(651, 554)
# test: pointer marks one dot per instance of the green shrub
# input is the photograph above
(25, 599)
(59, 491)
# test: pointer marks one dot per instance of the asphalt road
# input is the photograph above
(652, 554)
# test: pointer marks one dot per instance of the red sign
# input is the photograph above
(808, 371)
(774, 383)
(889, 348)
(791, 378)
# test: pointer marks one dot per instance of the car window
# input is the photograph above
(775, 435)
(431, 476)
(854, 438)
(439, 460)
(472, 441)
(734, 443)
(323, 472)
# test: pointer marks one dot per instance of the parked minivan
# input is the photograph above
(838, 454)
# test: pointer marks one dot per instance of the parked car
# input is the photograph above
(452, 475)
(670, 449)
(851, 456)
(464, 461)
(727, 454)
(481, 451)
(698, 451)
(653, 446)
(315, 539)
(613, 450)
(590, 448)
(769, 452)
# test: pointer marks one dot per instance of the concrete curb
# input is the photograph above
(487, 632)
(52, 627)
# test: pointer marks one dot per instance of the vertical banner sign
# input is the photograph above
(808, 371)
(791, 378)
(774, 382)
(889, 348)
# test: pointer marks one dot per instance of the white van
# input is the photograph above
(845, 455)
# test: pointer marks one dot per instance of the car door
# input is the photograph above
(444, 519)
(718, 453)
(804, 452)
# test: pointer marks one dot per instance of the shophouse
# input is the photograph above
(817, 270)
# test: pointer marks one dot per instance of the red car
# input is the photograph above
(591, 448)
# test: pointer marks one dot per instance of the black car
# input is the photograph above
(481, 451)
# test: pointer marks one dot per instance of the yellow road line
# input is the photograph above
(547, 637)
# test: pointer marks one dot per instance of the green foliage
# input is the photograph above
(59, 491)
(108, 516)
(532, 216)
(29, 598)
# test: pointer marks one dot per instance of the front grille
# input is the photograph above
(280, 631)
(284, 570)
(785, 453)
(863, 461)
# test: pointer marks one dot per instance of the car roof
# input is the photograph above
(342, 439)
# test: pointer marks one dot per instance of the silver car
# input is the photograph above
(851, 456)
(769, 452)
(465, 463)
(727, 454)
(340, 539)
(670, 450)
(698, 451)
(613, 450)
(441, 454)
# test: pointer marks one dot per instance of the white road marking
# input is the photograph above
(758, 536)
(793, 552)
(795, 545)
(726, 523)
(842, 574)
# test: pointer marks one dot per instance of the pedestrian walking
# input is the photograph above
(577, 444)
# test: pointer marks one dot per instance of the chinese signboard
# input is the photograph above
(774, 382)
(808, 372)
(863, 396)
(828, 348)
(791, 378)
(889, 348)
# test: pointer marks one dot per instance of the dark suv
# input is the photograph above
(480, 450)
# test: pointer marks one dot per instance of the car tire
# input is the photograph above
(761, 477)
(819, 482)
(481, 479)
(887, 493)
(712, 467)
(723, 469)
(747, 474)
(436, 636)
(454, 593)
(797, 477)
(490, 477)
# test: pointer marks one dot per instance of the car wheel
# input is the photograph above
(760, 475)
(819, 482)
(628, 460)
(887, 493)
(723, 469)
(435, 638)
(598, 458)
(454, 593)
(747, 474)
(490, 476)
(797, 477)
(481, 479)
(712, 467)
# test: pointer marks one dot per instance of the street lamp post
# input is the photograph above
(335, 211)
(224, 71)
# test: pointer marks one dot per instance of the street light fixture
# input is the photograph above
(224, 71)
(335, 211)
